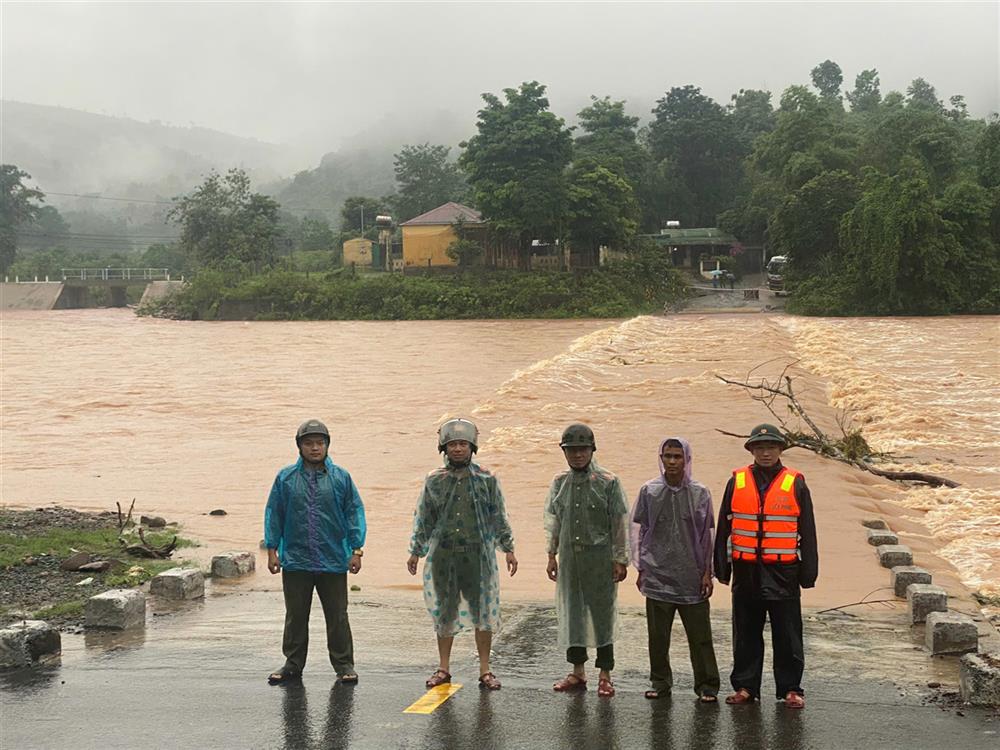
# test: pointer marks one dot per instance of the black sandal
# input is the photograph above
(284, 675)
(348, 678)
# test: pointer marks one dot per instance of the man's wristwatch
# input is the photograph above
(358, 552)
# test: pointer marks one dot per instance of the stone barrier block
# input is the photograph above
(904, 575)
(117, 609)
(27, 642)
(874, 523)
(233, 564)
(179, 583)
(879, 537)
(979, 679)
(924, 598)
(951, 633)
(893, 555)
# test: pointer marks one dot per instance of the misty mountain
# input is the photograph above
(71, 151)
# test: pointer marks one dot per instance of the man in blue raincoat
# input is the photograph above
(314, 531)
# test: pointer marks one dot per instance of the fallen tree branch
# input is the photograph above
(850, 449)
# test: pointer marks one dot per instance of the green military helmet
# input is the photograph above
(458, 429)
(578, 435)
(765, 433)
(311, 427)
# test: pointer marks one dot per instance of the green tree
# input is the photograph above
(694, 132)
(425, 179)
(988, 155)
(465, 252)
(316, 234)
(357, 217)
(806, 226)
(752, 115)
(828, 78)
(516, 166)
(921, 94)
(609, 139)
(602, 209)
(223, 223)
(19, 205)
(866, 96)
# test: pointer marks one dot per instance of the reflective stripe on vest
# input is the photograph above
(769, 528)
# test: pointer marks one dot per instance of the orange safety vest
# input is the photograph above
(771, 528)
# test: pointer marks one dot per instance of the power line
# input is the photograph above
(110, 198)
(86, 236)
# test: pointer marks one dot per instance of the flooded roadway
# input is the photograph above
(100, 406)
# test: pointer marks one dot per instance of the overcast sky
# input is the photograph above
(318, 72)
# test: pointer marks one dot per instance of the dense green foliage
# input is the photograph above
(426, 179)
(19, 205)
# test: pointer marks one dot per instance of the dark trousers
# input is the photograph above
(786, 642)
(577, 655)
(298, 587)
(698, 628)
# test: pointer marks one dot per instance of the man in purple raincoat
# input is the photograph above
(671, 540)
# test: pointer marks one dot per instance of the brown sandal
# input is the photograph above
(795, 700)
(489, 681)
(570, 682)
(740, 697)
(440, 677)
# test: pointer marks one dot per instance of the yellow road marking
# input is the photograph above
(433, 698)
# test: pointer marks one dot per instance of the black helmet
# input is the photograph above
(311, 427)
(765, 433)
(458, 429)
(577, 435)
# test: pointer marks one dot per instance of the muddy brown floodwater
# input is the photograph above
(100, 406)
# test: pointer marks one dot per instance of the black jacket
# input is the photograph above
(768, 581)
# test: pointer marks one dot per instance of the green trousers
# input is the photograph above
(298, 587)
(698, 627)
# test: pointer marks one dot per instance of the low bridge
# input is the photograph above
(74, 287)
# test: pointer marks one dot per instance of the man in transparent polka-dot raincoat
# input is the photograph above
(459, 523)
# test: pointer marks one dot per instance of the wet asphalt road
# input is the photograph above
(196, 678)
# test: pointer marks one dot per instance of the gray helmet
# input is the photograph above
(458, 429)
(311, 427)
(577, 435)
(765, 433)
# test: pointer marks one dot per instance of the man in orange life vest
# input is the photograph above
(766, 543)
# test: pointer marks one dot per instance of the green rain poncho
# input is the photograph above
(586, 525)
(459, 524)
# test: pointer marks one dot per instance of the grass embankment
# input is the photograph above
(638, 285)
(33, 544)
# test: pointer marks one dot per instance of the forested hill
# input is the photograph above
(68, 150)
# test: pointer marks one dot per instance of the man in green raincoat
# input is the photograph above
(459, 523)
(586, 527)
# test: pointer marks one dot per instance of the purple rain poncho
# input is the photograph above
(459, 523)
(671, 535)
(586, 525)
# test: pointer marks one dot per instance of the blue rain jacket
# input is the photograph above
(314, 519)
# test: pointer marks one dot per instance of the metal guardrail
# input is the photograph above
(116, 274)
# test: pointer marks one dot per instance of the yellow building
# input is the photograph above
(426, 237)
(358, 251)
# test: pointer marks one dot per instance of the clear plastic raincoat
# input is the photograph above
(459, 523)
(586, 525)
(671, 535)
(315, 519)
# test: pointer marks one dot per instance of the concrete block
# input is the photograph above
(874, 523)
(979, 679)
(27, 642)
(233, 564)
(951, 633)
(179, 583)
(879, 537)
(117, 609)
(924, 598)
(893, 555)
(904, 575)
